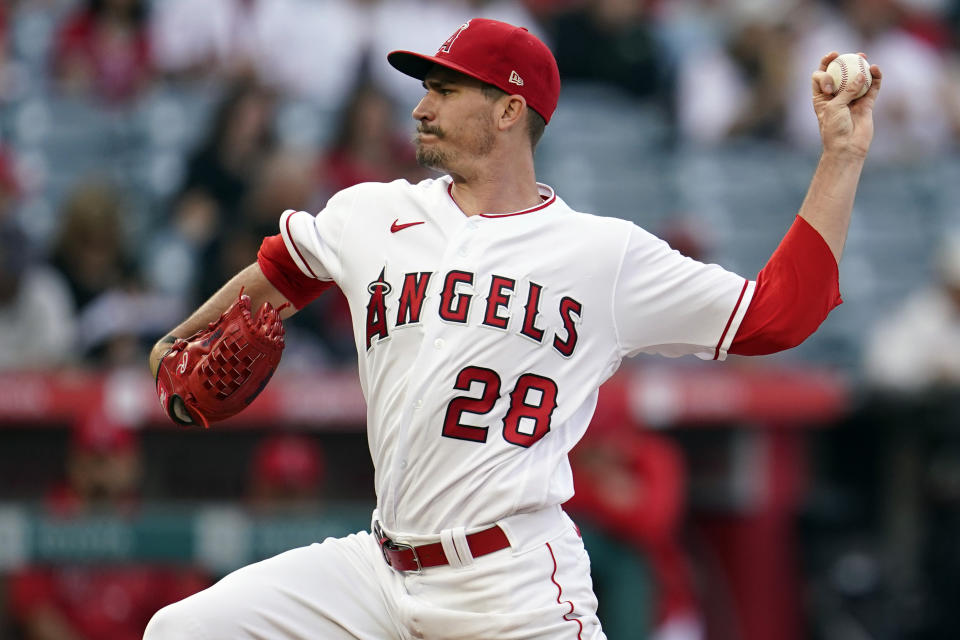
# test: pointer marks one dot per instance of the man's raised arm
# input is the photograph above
(799, 285)
(846, 130)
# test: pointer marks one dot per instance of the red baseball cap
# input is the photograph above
(508, 57)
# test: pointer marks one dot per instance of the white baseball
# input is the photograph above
(844, 69)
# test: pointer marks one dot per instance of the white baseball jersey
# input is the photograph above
(483, 339)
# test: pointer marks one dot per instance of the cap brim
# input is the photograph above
(418, 65)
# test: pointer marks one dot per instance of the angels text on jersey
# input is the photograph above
(509, 305)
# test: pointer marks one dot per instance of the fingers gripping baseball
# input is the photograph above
(846, 121)
(218, 371)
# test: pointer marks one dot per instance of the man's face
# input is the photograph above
(456, 121)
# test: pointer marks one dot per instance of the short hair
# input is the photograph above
(535, 122)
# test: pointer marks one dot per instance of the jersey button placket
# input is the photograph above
(470, 229)
(417, 393)
(409, 420)
(419, 386)
(430, 361)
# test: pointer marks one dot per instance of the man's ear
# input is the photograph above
(510, 111)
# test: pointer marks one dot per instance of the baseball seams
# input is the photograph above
(843, 74)
(862, 65)
(846, 73)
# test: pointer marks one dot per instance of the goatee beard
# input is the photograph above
(430, 158)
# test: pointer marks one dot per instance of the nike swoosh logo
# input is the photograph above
(400, 227)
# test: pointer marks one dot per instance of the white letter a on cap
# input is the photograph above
(445, 47)
(515, 79)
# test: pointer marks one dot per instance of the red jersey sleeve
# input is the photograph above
(285, 275)
(797, 288)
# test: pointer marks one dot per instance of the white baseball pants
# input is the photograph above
(539, 588)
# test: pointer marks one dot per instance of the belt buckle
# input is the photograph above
(386, 543)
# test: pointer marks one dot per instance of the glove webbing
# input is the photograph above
(227, 368)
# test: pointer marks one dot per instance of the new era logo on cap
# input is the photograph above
(508, 57)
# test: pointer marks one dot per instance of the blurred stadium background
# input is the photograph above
(147, 146)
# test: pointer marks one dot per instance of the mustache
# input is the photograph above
(436, 131)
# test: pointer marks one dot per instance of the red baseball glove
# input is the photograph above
(218, 371)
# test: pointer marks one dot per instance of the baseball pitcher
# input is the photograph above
(486, 313)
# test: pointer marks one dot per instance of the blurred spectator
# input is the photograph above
(543, 9)
(918, 112)
(321, 335)
(92, 603)
(10, 190)
(219, 36)
(953, 22)
(736, 82)
(103, 50)
(632, 485)
(113, 316)
(286, 180)
(87, 602)
(286, 474)
(36, 310)
(929, 20)
(369, 145)
(610, 41)
(221, 171)
(748, 71)
(917, 348)
(299, 47)
(220, 174)
(90, 250)
(117, 328)
(103, 469)
(322, 332)
(4, 47)
(690, 235)
(282, 180)
(423, 25)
